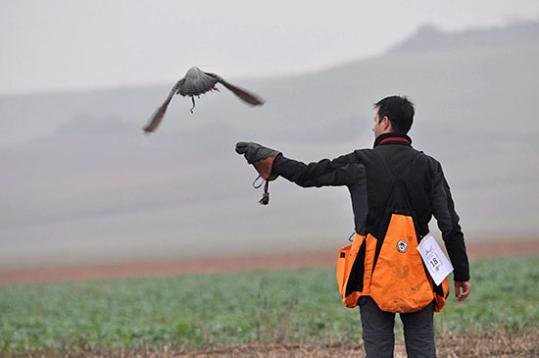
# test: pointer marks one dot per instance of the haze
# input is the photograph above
(81, 182)
(64, 44)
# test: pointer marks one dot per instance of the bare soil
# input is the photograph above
(227, 264)
(497, 344)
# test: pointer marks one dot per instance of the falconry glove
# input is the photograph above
(262, 158)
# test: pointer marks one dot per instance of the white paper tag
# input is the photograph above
(434, 258)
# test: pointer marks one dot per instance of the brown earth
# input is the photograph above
(498, 344)
(228, 264)
(495, 344)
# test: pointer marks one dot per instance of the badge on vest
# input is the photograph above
(402, 246)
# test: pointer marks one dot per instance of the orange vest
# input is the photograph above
(392, 272)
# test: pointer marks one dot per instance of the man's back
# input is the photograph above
(370, 174)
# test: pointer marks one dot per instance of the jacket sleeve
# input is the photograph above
(344, 170)
(443, 209)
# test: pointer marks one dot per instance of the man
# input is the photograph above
(371, 175)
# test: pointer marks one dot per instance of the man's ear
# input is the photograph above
(386, 123)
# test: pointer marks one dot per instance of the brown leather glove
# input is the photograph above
(261, 157)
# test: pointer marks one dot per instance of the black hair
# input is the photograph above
(399, 110)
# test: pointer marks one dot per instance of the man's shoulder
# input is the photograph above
(363, 154)
(432, 162)
(371, 154)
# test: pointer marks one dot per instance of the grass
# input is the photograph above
(221, 310)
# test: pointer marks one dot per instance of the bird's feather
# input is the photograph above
(241, 93)
(160, 112)
(195, 83)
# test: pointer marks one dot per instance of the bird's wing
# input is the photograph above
(160, 112)
(241, 93)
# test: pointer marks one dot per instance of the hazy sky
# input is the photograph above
(70, 44)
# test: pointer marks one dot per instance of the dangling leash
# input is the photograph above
(265, 195)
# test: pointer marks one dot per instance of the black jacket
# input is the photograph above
(369, 175)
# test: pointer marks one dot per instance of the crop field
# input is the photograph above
(275, 313)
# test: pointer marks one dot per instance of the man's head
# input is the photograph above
(393, 114)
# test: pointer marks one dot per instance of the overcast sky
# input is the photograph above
(70, 44)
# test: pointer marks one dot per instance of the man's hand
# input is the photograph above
(261, 157)
(462, 289)
(254, 152)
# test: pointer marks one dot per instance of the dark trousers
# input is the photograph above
(378, 336)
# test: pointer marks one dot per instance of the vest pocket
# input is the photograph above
(350, 270)
(343, 263)
(399, 282)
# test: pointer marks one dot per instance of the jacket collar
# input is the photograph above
(393, 138)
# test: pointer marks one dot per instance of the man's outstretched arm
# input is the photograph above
(344, 170)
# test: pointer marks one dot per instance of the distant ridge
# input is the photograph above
(430, 38)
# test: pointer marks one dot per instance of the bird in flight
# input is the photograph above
(195, 83)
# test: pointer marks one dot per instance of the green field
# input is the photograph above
(223, 310)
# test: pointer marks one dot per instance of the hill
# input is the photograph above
(82, 182)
